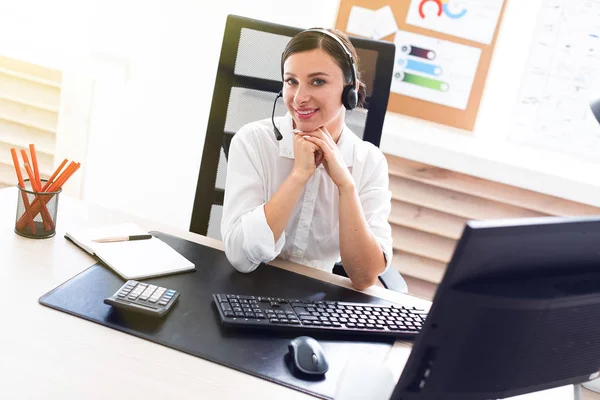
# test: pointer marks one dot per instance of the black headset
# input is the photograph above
(349, 94)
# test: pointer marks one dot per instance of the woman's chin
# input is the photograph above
(306, 126)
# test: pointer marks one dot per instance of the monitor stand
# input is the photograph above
(362, 379)
(376, 381)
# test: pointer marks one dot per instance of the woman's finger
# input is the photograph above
(320, 135)
(320, 143)
(314, 147)
(327, 136)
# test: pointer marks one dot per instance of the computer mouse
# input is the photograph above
(307, 356)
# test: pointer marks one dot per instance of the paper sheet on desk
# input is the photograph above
(142, 258)
(137, 259)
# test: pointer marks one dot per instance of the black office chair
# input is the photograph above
(248, 78)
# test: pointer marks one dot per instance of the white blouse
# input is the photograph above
(258, 164)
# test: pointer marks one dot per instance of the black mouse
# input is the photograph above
(308, 356)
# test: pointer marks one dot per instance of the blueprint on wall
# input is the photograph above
(561, 77)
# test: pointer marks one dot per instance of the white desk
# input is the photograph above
(47, 354)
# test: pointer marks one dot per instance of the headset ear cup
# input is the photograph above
(350, 97)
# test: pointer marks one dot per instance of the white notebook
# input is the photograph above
(135, 259)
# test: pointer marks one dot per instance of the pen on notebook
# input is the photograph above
(122, 238)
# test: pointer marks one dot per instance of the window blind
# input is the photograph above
(29, 107)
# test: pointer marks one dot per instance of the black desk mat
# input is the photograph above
(193, 326)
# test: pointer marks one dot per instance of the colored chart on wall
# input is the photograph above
(434, 70)
(474, 20)
(438, 76)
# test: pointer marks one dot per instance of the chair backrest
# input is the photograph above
(248, 78)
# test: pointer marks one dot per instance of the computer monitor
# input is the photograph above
(518, 311)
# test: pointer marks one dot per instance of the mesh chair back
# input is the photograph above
(248, 79)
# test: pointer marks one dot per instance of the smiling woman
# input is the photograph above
(313, 192)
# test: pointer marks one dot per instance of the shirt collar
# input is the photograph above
(345, 143)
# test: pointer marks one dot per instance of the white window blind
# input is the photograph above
(29, 106)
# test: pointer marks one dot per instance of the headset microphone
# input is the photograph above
(278, 135)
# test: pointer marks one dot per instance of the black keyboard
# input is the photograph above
(314, 316)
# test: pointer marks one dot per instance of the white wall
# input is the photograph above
(149, 126)
(154, 62)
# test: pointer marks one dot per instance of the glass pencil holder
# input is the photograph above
(36, 212)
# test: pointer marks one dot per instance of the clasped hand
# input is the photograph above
(316, 147)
